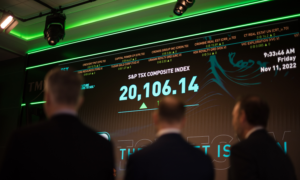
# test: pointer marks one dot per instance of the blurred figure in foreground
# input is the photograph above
(62, 148)
(170, 157)
(257, 156)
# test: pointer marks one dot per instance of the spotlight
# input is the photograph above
(7, 22)
(182, 5)
(55, 28)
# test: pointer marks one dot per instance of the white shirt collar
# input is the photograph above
(253, 130)
(66, 111)
(167, 131)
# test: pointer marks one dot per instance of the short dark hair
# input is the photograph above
(64, 85)
(256, 109)
(171, 109)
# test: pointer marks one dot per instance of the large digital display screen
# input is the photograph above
(208, 73)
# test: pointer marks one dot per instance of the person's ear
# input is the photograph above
(243, 118)
(47, 98)
(80, 102)
(183, 122)
(47, 105)
(155, 118)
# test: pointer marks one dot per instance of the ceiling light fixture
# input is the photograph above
(182, 5)
(7, 22)
(55, 28)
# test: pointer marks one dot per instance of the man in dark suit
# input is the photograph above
(170, 157)
(257, 156)
(62, 148)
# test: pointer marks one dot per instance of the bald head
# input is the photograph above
(171, 110)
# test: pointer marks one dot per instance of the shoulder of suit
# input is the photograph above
(36, 134)
(31, 132)
(146, 152)
(245, 145)
(155, 148)
(38, 127)
(196, 152)
(257, 139)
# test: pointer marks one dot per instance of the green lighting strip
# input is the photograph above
(146, 26)
(172, 39)
(34, 103)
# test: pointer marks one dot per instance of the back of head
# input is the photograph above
(171, 110)
(64, 86)
(256, 110)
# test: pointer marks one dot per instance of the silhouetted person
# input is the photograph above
(257, 156)
(170, 157)
(62, 148)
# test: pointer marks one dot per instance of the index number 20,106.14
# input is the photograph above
(157, 89)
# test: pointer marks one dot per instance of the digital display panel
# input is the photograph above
(208, 73)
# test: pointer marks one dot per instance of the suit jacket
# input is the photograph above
(62, 148)
(259, 158)
(169, 158)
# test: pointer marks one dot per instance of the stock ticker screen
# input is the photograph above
(208, 73)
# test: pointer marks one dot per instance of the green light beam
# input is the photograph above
(34, 103)
(39, 102)
(141, 27)
(172, 39)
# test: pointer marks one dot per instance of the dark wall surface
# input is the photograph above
(11, 87)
